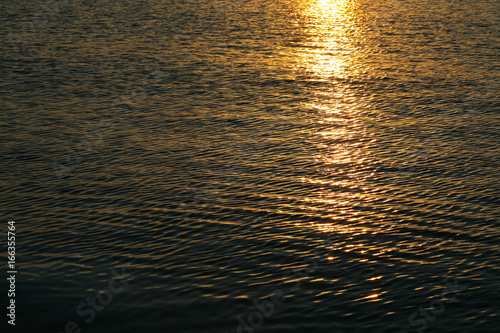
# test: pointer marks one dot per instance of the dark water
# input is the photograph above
(333, 163)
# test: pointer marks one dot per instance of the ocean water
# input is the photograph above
(252, 166)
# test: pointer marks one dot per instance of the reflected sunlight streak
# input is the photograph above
(330, 51)
(332, 55)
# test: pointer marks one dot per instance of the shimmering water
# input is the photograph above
(333, 163)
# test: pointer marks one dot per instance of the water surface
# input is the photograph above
(340, 155)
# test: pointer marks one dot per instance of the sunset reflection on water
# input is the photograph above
(213, 148)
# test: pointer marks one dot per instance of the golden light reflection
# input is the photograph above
(332, 56)
(375, 278)
(331, 50)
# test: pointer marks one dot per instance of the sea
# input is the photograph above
(220, 166)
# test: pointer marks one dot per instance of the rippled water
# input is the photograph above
(334, 164)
